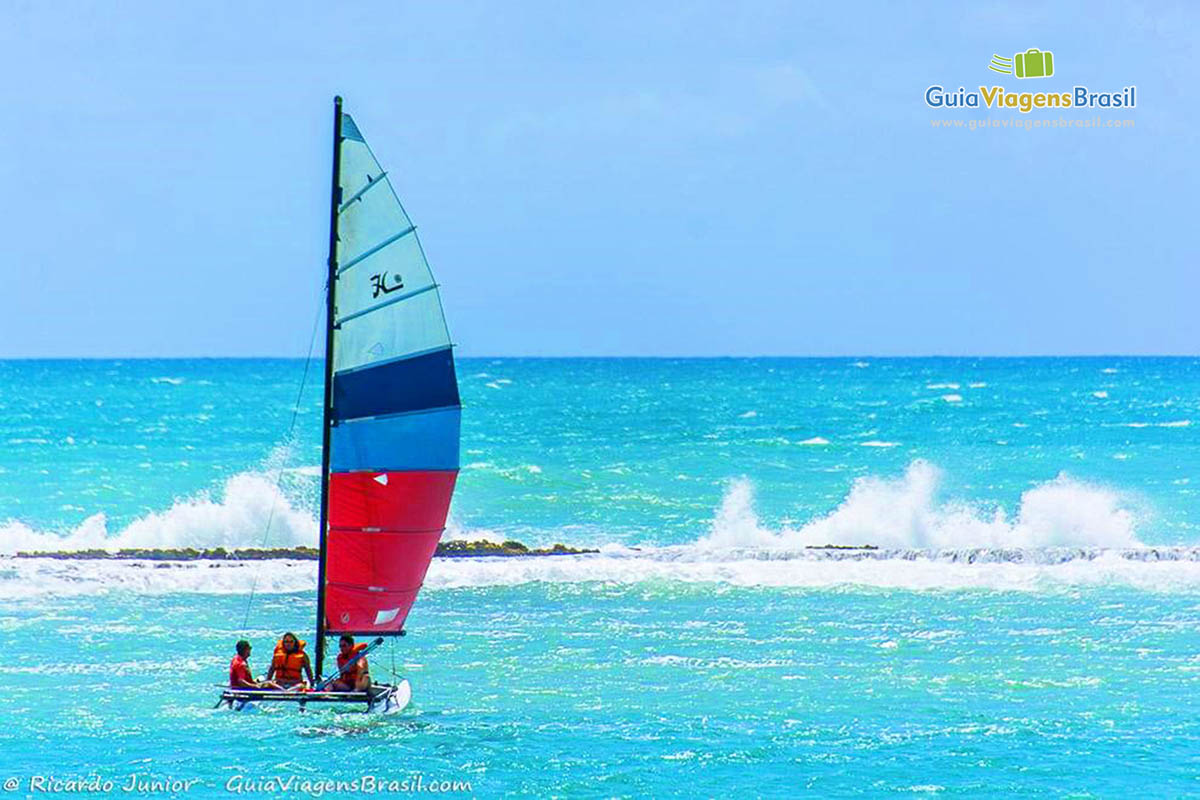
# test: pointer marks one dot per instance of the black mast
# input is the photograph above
(335, 202)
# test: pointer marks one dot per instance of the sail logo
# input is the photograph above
(1033, 63)
(379, 283)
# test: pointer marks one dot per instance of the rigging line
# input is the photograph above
(279, 474)
(394, 674)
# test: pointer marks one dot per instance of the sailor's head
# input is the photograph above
(243, 648)
(290, 642)
(346, 643)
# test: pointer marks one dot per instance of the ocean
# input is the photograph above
(1029, 624)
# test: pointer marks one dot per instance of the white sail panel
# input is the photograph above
(390, 275)
(387, 302)
(358, 165)
(368, 219)
(413, 325)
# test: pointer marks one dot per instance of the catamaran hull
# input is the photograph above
(381, 699)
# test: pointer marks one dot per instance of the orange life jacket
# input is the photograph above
(288, 667)
(350, 676)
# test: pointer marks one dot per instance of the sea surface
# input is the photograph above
(1029, 625)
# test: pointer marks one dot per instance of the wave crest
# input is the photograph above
(239, 519)
(905, 513)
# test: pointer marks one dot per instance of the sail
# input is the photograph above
(395, 408)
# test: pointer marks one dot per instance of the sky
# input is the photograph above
(649, 179)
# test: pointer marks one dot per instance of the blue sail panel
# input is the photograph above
(426, 440)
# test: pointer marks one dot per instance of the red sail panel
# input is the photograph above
(398, 501)
(372, 577)
(384, 530)
(389, 560)
(357, 611)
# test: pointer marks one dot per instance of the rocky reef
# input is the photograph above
(456, 548)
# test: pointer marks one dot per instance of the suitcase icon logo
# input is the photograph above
(1033, 63)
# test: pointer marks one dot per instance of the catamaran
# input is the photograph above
(390, 430)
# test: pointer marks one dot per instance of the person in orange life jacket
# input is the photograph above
(289, 665)
(356, 678)
(239, 670)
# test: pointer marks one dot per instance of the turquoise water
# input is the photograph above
(1030, 627)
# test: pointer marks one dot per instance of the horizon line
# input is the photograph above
(613, 357)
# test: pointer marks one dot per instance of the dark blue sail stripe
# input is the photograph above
(425, 441)
(410, 384)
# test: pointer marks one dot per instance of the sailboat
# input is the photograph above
(390, 429)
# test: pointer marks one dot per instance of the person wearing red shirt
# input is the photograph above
(239, 670)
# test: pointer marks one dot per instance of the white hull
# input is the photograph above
(383, 699)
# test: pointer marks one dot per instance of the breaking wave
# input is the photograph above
(1063, 533)
(250, 511)
(906, 512)
(239, 518)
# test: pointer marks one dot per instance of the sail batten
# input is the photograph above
(371, 184)
(395, 237)
(394, 418)
(386, 303)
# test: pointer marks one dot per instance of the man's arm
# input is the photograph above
(244, 679)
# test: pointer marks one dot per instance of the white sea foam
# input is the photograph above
(816, 440)
(906, 512)
(27, 578)
(1179, 423)
(1173, 570)
(1064, 533)
(238, 519)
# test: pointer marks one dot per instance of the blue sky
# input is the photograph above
(615, 179)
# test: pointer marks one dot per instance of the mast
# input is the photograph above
(335, 197)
